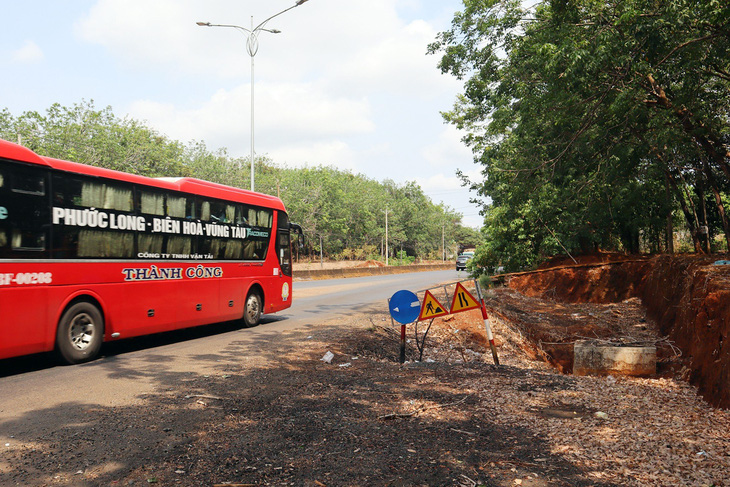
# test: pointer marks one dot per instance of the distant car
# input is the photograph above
(462, 259)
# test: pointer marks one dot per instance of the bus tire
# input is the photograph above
(80, 333)
(252, 309)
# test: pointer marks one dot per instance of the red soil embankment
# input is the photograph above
(688, 296)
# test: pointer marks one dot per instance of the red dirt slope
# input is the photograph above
(688, 296)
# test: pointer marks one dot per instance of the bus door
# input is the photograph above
(24, 237)
(283, 244)
(284, 255)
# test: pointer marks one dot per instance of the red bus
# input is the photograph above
(89, 255)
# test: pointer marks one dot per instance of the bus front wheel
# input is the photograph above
(80, 333)
(252, 310)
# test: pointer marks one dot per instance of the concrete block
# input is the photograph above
(597, 358)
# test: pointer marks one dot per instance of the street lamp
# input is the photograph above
(252, 47)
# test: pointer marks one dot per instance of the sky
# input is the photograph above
(346, 83)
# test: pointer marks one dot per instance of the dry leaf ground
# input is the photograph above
(282, 416)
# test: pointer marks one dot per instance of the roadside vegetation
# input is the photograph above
(343, 214)
(599, 125)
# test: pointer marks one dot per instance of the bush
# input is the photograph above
(402, 259)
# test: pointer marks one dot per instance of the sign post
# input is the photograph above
(487, 327)
(404, 308)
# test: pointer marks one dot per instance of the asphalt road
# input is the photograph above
(329, 298)
(129, 369)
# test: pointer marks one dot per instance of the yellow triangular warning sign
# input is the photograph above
(463, 300)
(431, 308)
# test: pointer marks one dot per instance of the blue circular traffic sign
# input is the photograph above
(404, 307)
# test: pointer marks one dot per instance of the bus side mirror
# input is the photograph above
(296, 228)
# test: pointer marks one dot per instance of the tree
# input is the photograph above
(84, 134)
(346, 210)
(574, 107)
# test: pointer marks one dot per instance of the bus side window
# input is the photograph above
(192, 209)
(218, 212)
(176, 206)
(3, 214)
(105, 195)
(214, 214)
(151, 203)
(241, 214)
(24, 213)
(76, 191)
(71, 238)
(30, 183)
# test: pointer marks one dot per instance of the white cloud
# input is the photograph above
(147, 35)
(474, 173)
(345, 83)
(440, 183)
(308, 110)
(335, 153)
(395, 62)
(447, 150)
(475, 221)
(448, 189)
(28, 54)
(356, 45)
(284, 114)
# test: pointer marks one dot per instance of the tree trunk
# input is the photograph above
(718, 202)
(690, 215)
(703, 227)
(670, 226)
(701, 134)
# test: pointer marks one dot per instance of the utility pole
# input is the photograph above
(252, 47)
(386, 236)
(443, 242)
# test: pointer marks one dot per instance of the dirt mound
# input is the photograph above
(687, 296)
(585, 283)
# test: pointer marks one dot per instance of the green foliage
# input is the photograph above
(402, 258)
(342, 214)
(366, 252)
(84, 134)
(345, 213)
(594, 121)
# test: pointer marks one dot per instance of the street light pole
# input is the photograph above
(386, 236)
(252, 47)
(252, 53)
